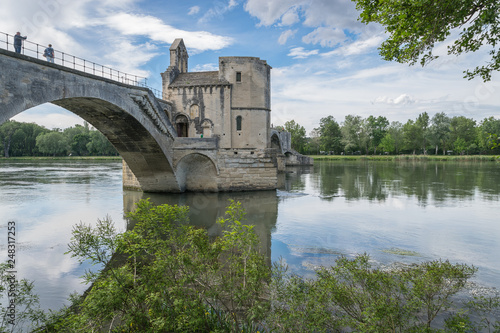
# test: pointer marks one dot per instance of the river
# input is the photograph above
(396, 212)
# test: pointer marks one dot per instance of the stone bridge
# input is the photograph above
(138, 126)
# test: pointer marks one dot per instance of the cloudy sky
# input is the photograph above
(324, 61)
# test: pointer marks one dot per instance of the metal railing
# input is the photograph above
(35, 50)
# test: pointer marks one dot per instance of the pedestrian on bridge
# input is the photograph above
(49, 53)
(18, 41)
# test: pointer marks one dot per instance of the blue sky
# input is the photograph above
(324, 61)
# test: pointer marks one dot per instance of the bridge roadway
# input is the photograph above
(130, 117)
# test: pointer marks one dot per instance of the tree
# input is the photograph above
(377, 128)
(352, 133)
(423, 124)
(396, 131)
(313, 143)
(414, 28)
(99, 145)
(487, 128)
(298, 135)
(387, 143)
(463, 128)
(412, 135)
(52, 143)
(439, 130)
(330, 135)
(7, 130)
(167, 276)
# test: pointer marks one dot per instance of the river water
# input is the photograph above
(396, 212)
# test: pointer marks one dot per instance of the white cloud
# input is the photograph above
(290, 17)
(50, 116)
(326, 37)
(301, 53)
(357, 47)
(285, 35)
(205, 68)
(218, 10)
(155, 29)
(194, 10)
(403, 99)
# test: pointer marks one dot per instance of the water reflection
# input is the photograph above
(426, 181)
(434, 209)
(205, 209)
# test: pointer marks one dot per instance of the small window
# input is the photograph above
(238, 123)
(238, 76)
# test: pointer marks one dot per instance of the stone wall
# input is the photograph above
(243, 170)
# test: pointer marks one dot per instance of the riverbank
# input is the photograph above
(471, 158)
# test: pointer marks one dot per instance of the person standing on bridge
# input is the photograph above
(49, 53)
(18, 42)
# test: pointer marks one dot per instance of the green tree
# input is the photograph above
(353, 134)
(488, 127)
(298, 135)
(52, 143)
(414, 28)
(24, 139)
(422, 123)
(7, 130)
(330, 135)
(396, 131)
(377, 128)
(99, 145)
(167, 276)
(314, 143)
(463, 128)
(387, 143)
(439, 130)
(412, 136)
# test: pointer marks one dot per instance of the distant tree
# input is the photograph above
(422, 123)
(412, 136)
(414, 28)
(439, 130)
(486, 129)
(313, 143)
(24, 139)
(298, 135)
(464, 128)
(7, 130)
(396, 131)
(99, 145)
(330, 135)
(377, 128)
(52, 143)
(387, 143)
(353, 134)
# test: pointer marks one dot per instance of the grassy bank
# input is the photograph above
(66, 158)
(471, 158)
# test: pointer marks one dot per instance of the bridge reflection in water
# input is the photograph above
(205, 209)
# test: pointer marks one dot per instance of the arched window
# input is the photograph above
(238, 123)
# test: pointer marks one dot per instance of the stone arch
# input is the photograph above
(197, 172)
(130, 117)
(182, 125)
(276, 143)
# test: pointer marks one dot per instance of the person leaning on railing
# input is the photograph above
(18, 41)
(49, 53)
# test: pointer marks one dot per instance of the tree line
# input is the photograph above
(29, 139)
(440, 134)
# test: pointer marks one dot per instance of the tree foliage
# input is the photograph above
(416, 26)
(298, 133)
(29, 139)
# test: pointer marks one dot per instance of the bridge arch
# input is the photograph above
(197, 172)
(130, 117)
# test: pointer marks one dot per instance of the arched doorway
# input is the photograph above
(182, 125)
